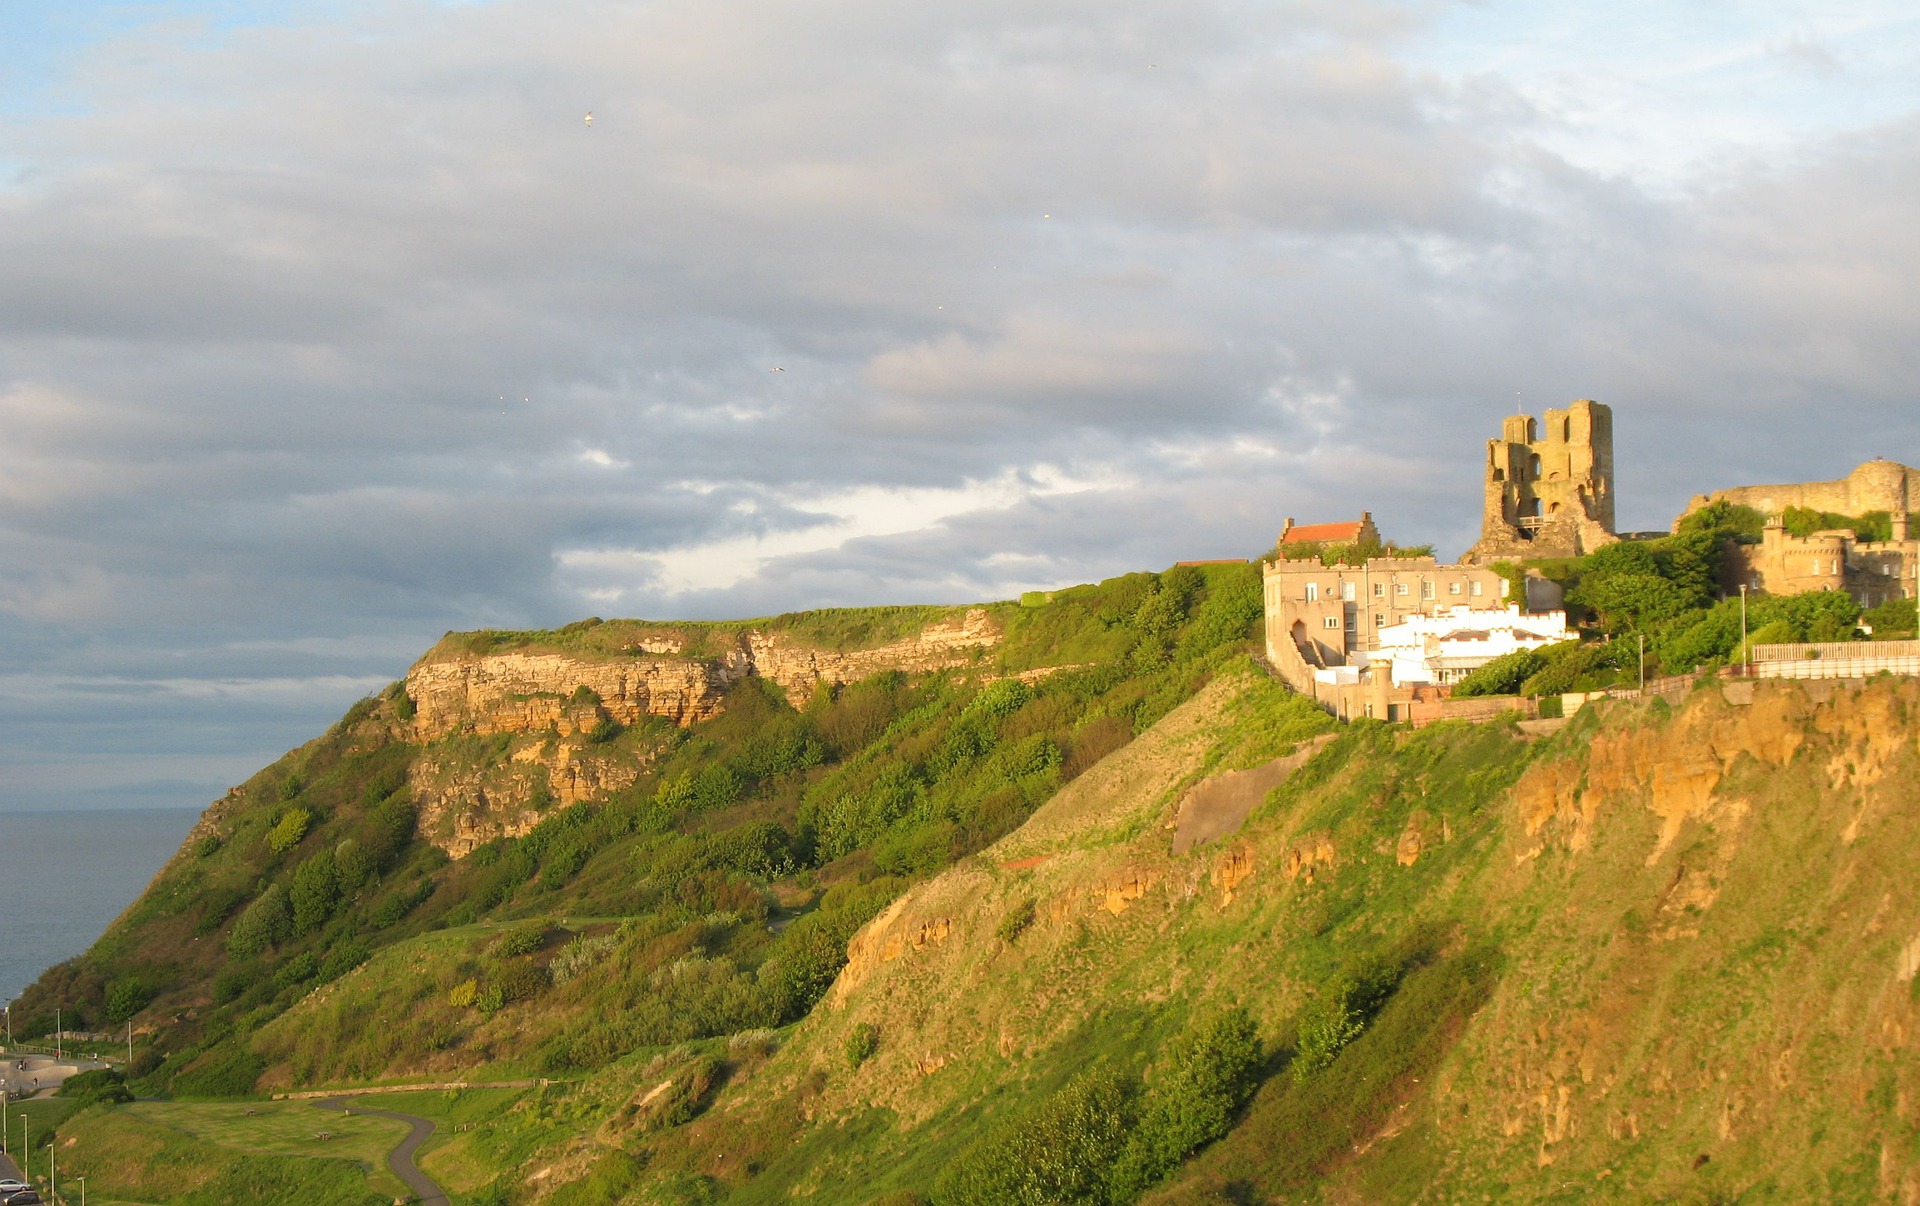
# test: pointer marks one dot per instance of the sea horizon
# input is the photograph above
(67, 873)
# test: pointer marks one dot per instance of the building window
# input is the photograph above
(1313, 591)
(1331, 621)
(1474, 590)
(1453, 588)
(1379, 619)
(1426, 589)
(1399, 588)
(1379, 590)
(1346, 591)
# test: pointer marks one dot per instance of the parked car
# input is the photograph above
(9, 1185)
(24, 1197)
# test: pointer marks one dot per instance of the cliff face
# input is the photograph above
(519, 692)
(549, 706)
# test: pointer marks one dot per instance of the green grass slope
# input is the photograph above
(1666, 954)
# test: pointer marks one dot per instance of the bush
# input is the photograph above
(316, 892)
(93, 1088)
(1060, 1152)
(862, 1043)
(126, 997)
(1338, 1016)
(267, 922)
(1203, 1079)
(521, 940)
(1501, 676)
(287, 832)
(1896, 615)
(1015, 923)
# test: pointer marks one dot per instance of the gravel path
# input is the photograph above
(400, 1160)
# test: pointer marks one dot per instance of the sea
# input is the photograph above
(65, 875)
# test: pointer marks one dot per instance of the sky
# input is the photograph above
(329, 327)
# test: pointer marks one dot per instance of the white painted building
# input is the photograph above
(1446, 646)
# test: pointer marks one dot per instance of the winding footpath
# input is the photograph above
(400, 1159)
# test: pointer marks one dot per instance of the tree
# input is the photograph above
(1501, 676)
(126, 997)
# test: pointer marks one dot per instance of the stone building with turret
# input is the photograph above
(1872, 571)
(1548, 486)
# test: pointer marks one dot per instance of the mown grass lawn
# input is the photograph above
(286, 1128)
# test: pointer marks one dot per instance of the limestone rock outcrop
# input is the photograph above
(553, 705)
(527, 692)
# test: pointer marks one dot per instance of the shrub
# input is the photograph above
(1060, 1152)
(297, 970)
(578, 956)
(1503, 675)
(1338, 1016)
(126, 997)
(521, 940)
(1015, 923)
(92, 1088)
(207, 846)
(604, 730)
(464, 994)
(267, 922)
(1896, 615)
(1203, 1079)
(316, 892)
(288, 831)
(862, 1043)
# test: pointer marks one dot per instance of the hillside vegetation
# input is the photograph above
(1143, 927)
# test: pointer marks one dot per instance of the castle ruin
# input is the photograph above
(1548, 493)
(1878, 485)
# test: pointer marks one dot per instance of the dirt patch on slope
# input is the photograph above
(1218, 806)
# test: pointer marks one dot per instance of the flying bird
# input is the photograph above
(589, 118)
(776, 369)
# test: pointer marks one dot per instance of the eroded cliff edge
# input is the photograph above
(578, 724)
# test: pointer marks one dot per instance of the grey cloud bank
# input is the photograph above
(319, 338)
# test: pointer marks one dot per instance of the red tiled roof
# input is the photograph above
(1316, 533)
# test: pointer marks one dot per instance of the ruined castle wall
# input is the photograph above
(1874, 486)
(1548, 486)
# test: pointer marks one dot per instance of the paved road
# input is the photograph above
(400, 1160)
(10, 1170)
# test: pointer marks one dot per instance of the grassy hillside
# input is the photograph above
(306, 933)
(950, 938)
(1666, 954)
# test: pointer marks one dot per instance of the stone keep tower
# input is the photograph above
(1549, 493)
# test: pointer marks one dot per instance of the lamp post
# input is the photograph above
(83, 1190)
(1643, 662)
(1746, 651)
